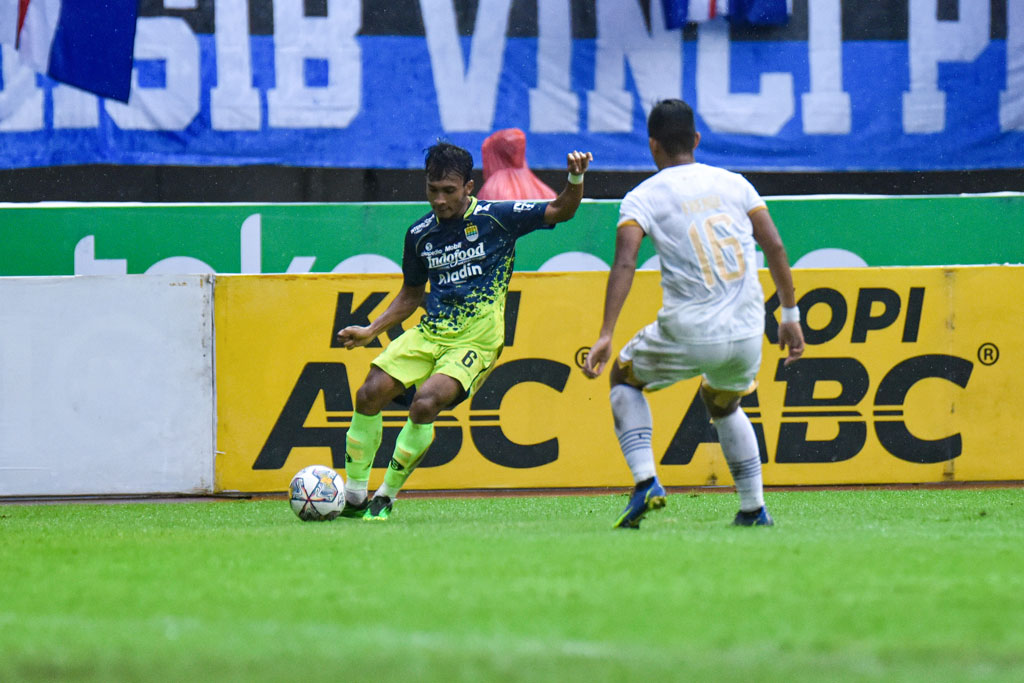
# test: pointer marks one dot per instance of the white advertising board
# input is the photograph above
(106, 385)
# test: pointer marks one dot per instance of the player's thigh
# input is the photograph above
(654, 362)
(409, 358)
(467, 364)
(733, 366)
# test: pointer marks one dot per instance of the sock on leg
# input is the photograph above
(361, 444)
(413, 441)
(739, 444)
(633, 425)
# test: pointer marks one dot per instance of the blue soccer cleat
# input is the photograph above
(647, 495)
(759, 517)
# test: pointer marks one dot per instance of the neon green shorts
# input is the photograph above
(414, 357)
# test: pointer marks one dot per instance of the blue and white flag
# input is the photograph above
(678, 13)
(760, 12)
(85, 43)
(8, 22)
(265, 83)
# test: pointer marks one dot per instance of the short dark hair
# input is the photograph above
(671, 124)
(444, 158)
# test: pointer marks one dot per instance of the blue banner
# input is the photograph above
(325, 91)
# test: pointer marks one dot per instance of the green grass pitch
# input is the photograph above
(850, 585)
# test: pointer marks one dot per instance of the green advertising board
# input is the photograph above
(67, 239)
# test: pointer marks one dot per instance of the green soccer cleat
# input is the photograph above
(355, 511)
(378, 510)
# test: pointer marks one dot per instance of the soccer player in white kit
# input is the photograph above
(704, 222)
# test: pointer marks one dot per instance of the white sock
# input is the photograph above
(739, 443)
(385, 490)
(633, 425)
(355, 491)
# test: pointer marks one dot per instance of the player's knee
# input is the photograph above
(622, 374)
(372, 397)
(615, 377)
(367, 400)
(719, 403)
(425, 408)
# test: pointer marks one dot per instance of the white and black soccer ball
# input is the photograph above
(317, 493)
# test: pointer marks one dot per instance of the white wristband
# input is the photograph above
(791, 315)
(576, 178)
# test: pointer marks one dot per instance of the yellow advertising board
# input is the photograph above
(909, 376)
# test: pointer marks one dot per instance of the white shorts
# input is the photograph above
(658, 362)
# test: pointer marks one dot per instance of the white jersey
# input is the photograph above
(698, 218)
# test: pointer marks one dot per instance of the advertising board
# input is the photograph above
(86, 239)
(908, 377)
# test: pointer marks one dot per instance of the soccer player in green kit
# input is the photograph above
(465, 249)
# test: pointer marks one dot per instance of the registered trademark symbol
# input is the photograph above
(988, 354)
(581, 356)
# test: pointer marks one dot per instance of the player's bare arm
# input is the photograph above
(563, 207)
(401, 307)
(791, 335)
(620, 281)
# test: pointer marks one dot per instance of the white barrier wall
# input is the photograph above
(106, 385)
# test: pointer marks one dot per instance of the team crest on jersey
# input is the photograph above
(472, 232)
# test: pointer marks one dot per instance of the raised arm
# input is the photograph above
(401, 307)
(563, 207)
(767, 236)
(620, 280)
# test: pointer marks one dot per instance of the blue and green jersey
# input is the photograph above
(468, 262)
